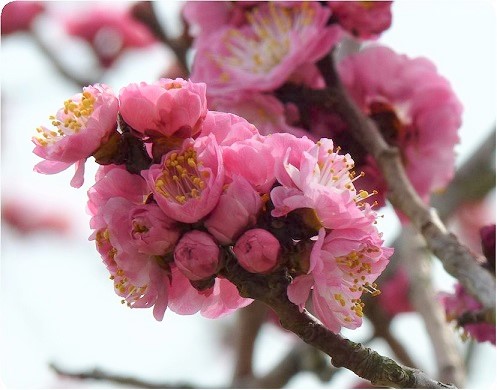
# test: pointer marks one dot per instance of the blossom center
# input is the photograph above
(269, 39)
(126, 289)
(181, 177)
(68, 120)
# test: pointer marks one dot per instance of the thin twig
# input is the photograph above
(100, 375)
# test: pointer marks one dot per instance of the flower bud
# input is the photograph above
(257, 251)
(197, 255)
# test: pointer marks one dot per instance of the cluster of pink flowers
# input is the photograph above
(181, 187)
(247, 51)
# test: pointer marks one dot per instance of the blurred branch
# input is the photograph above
(58, 65)
(368, 364)
(456, 258)
(423, 297)
(144, 12)
(472, 181)
(249, 322)
(97, 374)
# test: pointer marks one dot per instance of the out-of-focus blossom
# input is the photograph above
(257, 251)
(264, 111)
(363, 19)
(415, 109)
(236, 211)
(31, 215)
(344, 263)
(18, 15)
(187, 183)
(262, 55)
(109, 32)
(197, 255)
(81, 127)
(165, 108)
(459, 303)
(394, 298)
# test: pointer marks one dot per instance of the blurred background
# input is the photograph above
(57, 302)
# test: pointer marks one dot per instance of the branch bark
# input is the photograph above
(368, 364)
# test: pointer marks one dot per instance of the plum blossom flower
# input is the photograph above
(217, 301)
(109, 32)
(197, 255)
(344, 263)
(394, 298)
(459, 303)
(363, 19)
(81, 127)
(187, 183)
(165, 108)
(18, 15)
(133, 245)
(323, 181)
(257, 251)
(263, 54)
(236, 211)
(414, 107)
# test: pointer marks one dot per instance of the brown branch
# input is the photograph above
(456, 258)
(144, 12)
(249, 322)
(368, 364)
(423, 297)
(97, 374)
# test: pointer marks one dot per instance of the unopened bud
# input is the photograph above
(197, 255)
(257, 251)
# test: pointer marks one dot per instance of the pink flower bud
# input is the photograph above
(197, 255)
(257, 251)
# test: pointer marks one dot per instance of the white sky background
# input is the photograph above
(57, 303)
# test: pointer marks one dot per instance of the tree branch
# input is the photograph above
(423, 297)
(368, 364)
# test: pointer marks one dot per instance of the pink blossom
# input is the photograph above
(141, 228)
(257, 251)
(343, 264)
(264, 111)
(416, 108)
(141, 279)
(252, 159)
(187, 183)
(165, 108)
(111, 182)
(322, 181)
(236, 211)
(263, 54)
(18, 15)
(363, 19)
(81, 127)
(109, 31)
(197, 255)
(227, 128)
(219, 300)
(461, 302)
